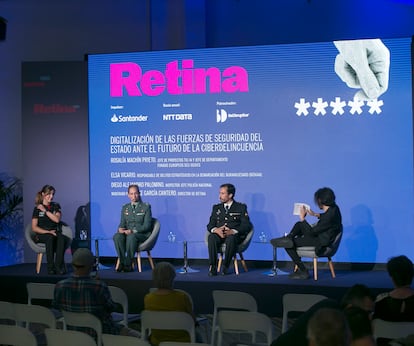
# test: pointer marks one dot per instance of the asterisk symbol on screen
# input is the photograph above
(375, 106)
(337, 106)
(356, 106)
(302, 107)
(320, 106)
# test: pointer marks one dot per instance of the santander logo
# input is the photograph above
(176, 80)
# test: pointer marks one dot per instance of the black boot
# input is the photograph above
(51, 269)
(212, 271)
(301, 274)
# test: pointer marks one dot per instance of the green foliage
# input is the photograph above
(10, 199)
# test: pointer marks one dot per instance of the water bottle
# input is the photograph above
(263, 237)
(83, 234)
(171, 237)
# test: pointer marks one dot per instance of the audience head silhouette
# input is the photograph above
(359, 321)
(358, 296)
(328, 327)
(82, 261)
(401, 271)
(163, 275)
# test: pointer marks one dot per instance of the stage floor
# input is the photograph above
(268, 290)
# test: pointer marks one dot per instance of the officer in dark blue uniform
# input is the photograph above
(229, 223)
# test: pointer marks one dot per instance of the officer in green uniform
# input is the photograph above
(134, 228)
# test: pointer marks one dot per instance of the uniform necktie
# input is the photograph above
(226, 207)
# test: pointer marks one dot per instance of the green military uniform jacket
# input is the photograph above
(138, 219)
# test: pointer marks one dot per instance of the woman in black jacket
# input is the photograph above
(319, 235)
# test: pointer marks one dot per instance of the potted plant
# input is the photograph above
(11, 220)
(10, 200)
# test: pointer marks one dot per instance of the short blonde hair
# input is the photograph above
(163, 275)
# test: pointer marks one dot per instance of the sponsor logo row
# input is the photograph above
(221, 117)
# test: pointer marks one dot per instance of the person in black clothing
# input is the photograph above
(45, 223)
(229, 223)
(357, 296)
(398, 304)
(319, 235)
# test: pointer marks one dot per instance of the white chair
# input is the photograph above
(39, 290)
(297, 302)
(241, 322)
(61, 337)
(7, 312)
(84, 319)
(16, 335)
(328, 251)
(27, 314)
(42, 291)
(40, 248)
(391, 330)
(147, 246)
(123, 340)
(230, 300)
(167, 320)
(119, 296)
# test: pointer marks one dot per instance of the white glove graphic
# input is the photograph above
(363, 64)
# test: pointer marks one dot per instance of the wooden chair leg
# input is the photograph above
(117, 264)
(139, 261)
(315, 268)
(331, 267)
(236, 265)
(295, 269)
(150, 260)
(39, 262)
(243, 262)
(219, 262)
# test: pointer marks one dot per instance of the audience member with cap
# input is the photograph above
(83, 293)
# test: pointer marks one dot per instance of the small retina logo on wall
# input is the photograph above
(40, 108)
(128, 118)
(222, 115)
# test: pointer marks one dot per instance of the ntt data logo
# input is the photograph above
(221, 115)
(128, 118)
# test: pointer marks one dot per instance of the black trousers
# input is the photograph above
(54, 245)
(301, 236)
(214, 244)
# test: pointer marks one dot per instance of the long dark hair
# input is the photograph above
(44, 191)
(325, 196)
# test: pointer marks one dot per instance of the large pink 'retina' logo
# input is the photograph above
(129, 77)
